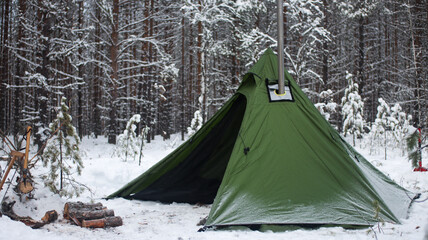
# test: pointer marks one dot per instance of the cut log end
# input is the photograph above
(50, 216)
(25, 187)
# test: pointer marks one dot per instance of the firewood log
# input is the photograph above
(83, 205)
(91, 214)
(103, 222)
(75, 206)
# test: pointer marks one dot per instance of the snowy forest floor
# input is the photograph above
(104, 174)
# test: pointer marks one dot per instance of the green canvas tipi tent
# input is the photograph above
(269, 159)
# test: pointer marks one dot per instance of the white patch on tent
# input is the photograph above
(275, 97)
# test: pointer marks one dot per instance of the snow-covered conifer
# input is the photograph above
(62, 155)
(352, 110)
(128, 143)
(400, 125)
(327, 106)
(196, 123)
(383, 124)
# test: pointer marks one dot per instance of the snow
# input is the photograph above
(105, 173)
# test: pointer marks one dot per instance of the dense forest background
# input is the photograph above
(167, 60)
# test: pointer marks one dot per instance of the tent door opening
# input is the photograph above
(197, 178)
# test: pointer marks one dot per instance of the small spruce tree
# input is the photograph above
(128, 143)
(352, 110)
(400, 126)
(62, 155)
(414, 152)
(196, 123)
(415, 144)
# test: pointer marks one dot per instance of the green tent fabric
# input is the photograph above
(260, 161)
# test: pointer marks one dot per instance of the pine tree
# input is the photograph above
(352, 110)
(128, 143)
(62, 155)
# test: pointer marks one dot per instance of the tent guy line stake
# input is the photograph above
(280, 47)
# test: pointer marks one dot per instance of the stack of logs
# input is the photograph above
(91, 215)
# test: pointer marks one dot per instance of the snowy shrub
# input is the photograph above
(400, 126)
(196, 123)
(382, 125)
(128, 143)
(328, 106)
(62, 155)
(391, 126)
(352, 110)
(143, 136)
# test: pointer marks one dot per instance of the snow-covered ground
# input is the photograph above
(104, 174)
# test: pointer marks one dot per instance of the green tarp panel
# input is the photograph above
(272, 162)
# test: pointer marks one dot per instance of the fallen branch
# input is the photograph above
(50, 216)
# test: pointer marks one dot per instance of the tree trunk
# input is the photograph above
(183, 83)
(325, 48)
(41, 94)
(419, 26)
(17, 94)
(361, 54)
(96, 117)
(4, 65)
(115, 68)
(199, 77)
(414, 22)
(80, 74)
(150, 96)
(190, 91)
(60, 158)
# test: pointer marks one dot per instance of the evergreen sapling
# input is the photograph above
(128, 143)
(400, 126)
(414, 147)
(352, 110)
(62, 155)
(196, 123)
(384, 123)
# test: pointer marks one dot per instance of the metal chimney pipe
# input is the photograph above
(280, 47)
